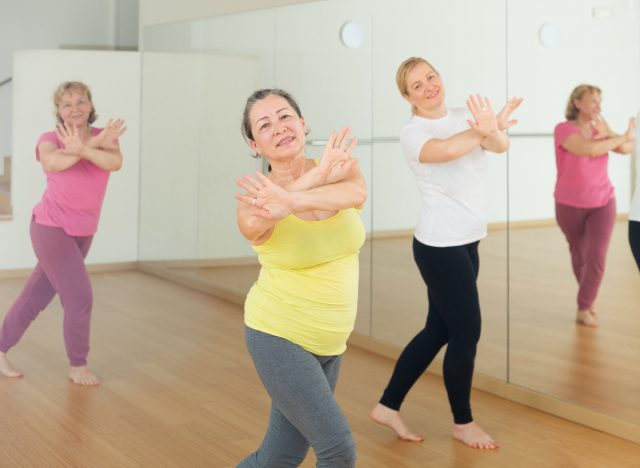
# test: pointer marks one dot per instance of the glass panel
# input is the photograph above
(549, 353)
(208, 68)
(399, 302)
(332, 83)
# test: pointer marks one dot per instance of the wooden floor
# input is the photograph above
(179, 390)
(598, 369)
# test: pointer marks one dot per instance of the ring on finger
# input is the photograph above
(253, 203)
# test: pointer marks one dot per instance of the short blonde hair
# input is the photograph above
(403, 70)
(571, 112)
(75, 86)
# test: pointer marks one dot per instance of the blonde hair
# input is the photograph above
(403, 70)
(75, 86)
(571, 112)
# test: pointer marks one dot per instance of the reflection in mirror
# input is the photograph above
(594, 367)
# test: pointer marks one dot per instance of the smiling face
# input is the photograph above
(74, 108)
(278, 133)
(425, 90)
(588, 105)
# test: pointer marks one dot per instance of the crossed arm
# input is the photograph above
(336, 183)
(486, 129)
(605, 140)
(102, 149)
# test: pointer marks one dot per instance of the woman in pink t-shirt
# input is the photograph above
(585, 200)
(77, 160)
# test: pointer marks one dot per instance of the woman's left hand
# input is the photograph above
(336, 162)
(485, 121)
(268, 200)
(503, 116)
(108, 136)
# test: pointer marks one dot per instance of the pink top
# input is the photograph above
(73, 198)
(582, 181)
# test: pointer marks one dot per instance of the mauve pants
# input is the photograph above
(61, 270)
(588, 232)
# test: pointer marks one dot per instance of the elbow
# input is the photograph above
(117, 163)
(361, 196)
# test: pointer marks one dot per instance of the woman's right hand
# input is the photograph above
(266, 199)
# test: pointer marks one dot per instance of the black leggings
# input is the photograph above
(454, 319)
(634, 240)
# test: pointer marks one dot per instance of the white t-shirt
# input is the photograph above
(634, 209)
(454, 193)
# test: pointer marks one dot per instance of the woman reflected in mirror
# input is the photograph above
(77, 159)
(585, 203)
(446, 150)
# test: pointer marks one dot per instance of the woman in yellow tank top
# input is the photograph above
(303, 221)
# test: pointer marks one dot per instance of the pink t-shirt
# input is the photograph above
(73, 198)
(582, 181)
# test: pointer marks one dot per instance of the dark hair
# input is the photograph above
(259, 95)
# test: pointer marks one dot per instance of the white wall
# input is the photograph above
(167, 11)
(37, 24)
(603, 52)
(114, 79)
(338, 86)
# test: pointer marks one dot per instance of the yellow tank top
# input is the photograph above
(307, 290)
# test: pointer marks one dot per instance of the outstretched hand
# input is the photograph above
(503, 116)
(336, 162)
(631, 130)
(108, 136)
(266, 199)
(485, 121)
(70, 138)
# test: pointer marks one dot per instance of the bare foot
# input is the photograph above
(472, 435)
(391, 418)
(83, 376)
(7, 369)
(587, 318)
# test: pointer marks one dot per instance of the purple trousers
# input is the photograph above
(60, 270)
(588, 232)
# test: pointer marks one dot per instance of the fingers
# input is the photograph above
(514, 103)
(331, 141)
(510, 123)
(352, 146)
(343, 136)
(477, 104)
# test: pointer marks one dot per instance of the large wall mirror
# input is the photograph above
(197, 75)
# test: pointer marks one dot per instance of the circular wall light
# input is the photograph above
(351, 35)
(549, 35)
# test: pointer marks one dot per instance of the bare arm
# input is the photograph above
(580, 146)
(606, 140)
(265, 203)
(439, 150)
(109, 157)
(54, 159)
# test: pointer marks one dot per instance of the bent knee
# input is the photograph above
(341, 454)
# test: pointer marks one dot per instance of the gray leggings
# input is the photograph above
(304, 411)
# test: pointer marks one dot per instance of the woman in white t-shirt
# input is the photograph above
(634, 210)
(445, 149)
